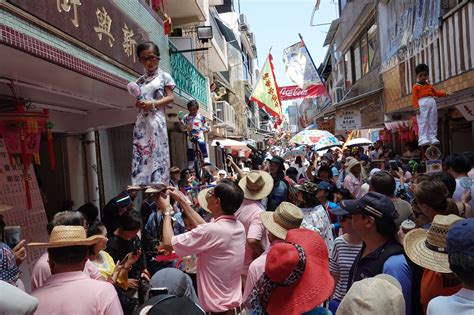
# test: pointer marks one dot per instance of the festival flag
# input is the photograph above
(300, 67)
(266, 92)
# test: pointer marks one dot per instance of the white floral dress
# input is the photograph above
(151, 156)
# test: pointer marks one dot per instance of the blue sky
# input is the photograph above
(276, 24)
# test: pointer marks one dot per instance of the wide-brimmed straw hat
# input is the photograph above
(286, 217)
(427, 248)
(155, 189)
(4, 207)
(256, 185)
(202, 199)
(350, 163)
(69, 235)
(314, 285)
(381, 294)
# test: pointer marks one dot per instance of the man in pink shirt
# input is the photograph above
(41, 271)
(68, 290)
(256, 186)
(286, 217)
(219, 245)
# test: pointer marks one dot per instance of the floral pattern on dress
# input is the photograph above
(151, 156)
(317, 219)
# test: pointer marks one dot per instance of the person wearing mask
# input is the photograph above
(373, 220)
(279, 192)
(68, 290)
(219, 246)
(460, 249)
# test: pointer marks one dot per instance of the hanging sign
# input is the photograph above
(467, 110)
(292, 92)
(348, 119)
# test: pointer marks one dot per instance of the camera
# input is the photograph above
(257, 156)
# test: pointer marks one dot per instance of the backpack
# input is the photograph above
(292, 191)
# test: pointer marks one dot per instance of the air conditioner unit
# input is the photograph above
(252, 40)
(243, 25)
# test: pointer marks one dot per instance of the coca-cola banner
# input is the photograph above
(292, 92)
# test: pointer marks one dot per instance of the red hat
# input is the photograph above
(296, 275)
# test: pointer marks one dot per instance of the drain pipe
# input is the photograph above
(91, 167)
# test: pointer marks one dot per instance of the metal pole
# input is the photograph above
(91, 166)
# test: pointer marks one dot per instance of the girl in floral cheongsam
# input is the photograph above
(151, 160)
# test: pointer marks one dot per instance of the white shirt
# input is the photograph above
(457, 196)
(461, 303)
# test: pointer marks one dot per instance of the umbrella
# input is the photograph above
(293, 153)
(314, 136)
(358, 142)
(229, 143)
(324, 145)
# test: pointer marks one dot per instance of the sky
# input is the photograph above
(276, 24)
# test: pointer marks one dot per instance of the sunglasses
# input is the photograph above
(149, 58)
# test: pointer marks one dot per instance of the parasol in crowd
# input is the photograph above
(299, 151)
(357, 142)
(322, 138)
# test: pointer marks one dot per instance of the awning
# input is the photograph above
(331, 32)
(227, 32)
(229, 143)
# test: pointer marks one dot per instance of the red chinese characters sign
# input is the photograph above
(294, 92)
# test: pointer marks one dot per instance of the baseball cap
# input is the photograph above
(174, 169)
(460, 238)
(375, 204)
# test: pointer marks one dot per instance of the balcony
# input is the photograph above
(218, 50)
(224, 115)
(185, 12)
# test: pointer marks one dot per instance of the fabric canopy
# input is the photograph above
(229, 143)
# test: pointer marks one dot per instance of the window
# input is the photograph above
(372, 45)
(357, 68)
(347, 69)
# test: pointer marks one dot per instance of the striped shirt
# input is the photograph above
(340, 264)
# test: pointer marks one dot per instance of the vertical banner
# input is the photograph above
(32, 221)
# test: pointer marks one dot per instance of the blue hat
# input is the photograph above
(460, 238)
(325, 186)
(374, 204)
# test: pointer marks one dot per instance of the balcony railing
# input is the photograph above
(188, 79)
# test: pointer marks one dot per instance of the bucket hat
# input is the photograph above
(68, 235)
(427, 248)
(286, 217)
(381, 294)
(256, 185)
(350, 163)
(296, 278)
(460, 238)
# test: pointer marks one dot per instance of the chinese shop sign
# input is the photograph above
(99, 24)
(348, 119)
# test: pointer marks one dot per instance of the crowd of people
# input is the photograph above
(352, 231)
(347, 232)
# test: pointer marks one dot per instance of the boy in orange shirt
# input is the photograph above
(425, 104)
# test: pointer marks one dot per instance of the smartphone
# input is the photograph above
(12, 235)
(157, 291)
(393, 165)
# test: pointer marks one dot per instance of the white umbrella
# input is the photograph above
(294, 153)
(358, 142)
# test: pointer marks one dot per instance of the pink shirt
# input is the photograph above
(76, 293)
(219, 247)
(249, 215)
(41, 271)
(256, 270)
(352, 184)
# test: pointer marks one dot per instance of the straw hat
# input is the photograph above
(286, 217)
(427, 248)
(256, 185)
(202, 199)
(350, 163)
(4, 207)
(381, 294)
(68, 235)
(155, 189)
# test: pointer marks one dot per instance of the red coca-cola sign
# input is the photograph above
(294, 92)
